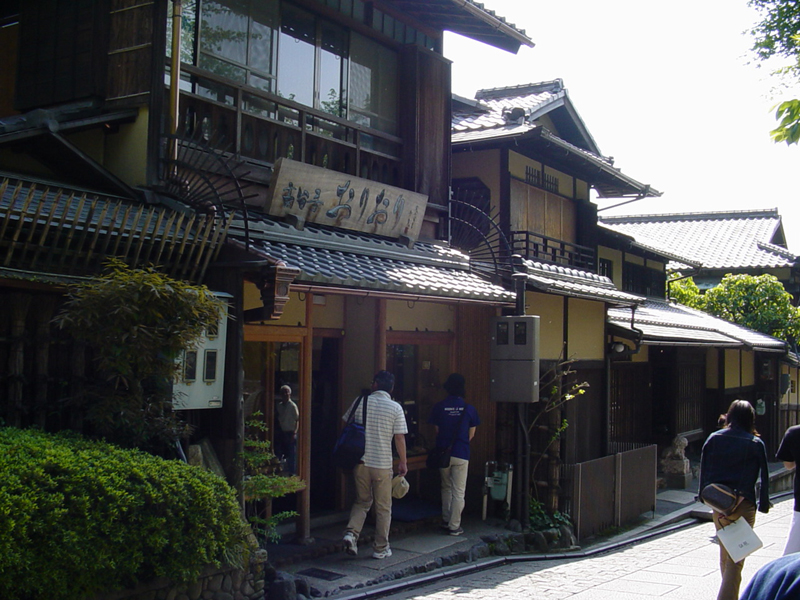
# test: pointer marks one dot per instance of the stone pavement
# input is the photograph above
(682, 565)
(422, 553)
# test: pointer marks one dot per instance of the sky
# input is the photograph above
(666, 88)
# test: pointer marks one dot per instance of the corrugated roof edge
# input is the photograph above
(769, 213)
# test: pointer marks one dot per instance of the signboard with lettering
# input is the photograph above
(316, 195)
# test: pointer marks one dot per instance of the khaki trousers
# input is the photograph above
(454, 486)
(373, 486)
(732, 571)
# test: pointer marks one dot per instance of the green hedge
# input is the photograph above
(80, 516)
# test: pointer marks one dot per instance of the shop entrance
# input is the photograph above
(269, 365)
(325, 420)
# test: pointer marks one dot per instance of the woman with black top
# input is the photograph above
(735, 456)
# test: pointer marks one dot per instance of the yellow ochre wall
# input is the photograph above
(419, 316)
(126, 151)
(586, 320)
(485, 165)
(294, 313)
(586, 333)
(329, 315)
(615, 256)
(748, 367)
(732, 365)
(550, 310)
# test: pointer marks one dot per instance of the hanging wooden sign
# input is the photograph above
(316, 195)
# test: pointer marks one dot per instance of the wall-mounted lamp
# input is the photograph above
(617, 347)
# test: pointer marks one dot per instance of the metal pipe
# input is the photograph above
(175, 75)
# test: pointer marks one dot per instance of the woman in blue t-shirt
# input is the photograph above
(455, 422)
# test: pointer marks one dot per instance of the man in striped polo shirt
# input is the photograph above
(373, 477)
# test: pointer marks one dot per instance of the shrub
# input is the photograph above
(137, 321)
(79, 516)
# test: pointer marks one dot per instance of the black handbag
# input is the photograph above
(349, 448)
(721, 498)
(439, 458)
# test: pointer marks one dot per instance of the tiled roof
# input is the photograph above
(491, 114)
(717, 240)
(351, 260)
(511, 113)
(575, 283)
(492, 109)
(664, 323)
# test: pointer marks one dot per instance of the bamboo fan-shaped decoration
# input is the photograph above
(209, 180)
(474, 231)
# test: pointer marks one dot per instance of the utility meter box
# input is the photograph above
(514, 373)
(202, 371)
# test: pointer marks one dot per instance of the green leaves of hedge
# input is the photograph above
(80, 516)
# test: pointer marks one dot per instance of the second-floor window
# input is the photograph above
(282, 49)
(605, 267)
(638, 279)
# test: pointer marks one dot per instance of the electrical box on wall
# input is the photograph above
(515, 359)
(202, 371)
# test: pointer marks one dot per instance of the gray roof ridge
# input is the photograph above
(350, 242)
(776, 249)
(771, 213)
(504, 23)
(570, 274)
(609, 161)
(511, 91)
(728, 325)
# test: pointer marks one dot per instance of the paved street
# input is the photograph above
(679, 566)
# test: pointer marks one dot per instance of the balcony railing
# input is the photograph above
(538, 247)
(263, 127)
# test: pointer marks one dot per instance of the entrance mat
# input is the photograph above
(412, 508)
(321, 574)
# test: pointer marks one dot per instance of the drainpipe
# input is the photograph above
(175, 76)
(671, 281)
(520, 277)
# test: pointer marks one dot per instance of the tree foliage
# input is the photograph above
(777, 35)
(685, 291)
(758, 302)
(137, 322)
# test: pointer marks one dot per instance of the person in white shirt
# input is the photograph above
(373, 476)
(286, 438)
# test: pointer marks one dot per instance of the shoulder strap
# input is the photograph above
(364, 412)
(351, 417)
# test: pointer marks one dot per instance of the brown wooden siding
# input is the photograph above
(130, 49)
(539, 211)
(425, 119)
(473, 324)
(630, 412)
(584, 437)
(61, 52)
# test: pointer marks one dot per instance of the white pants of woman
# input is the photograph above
(454, 485)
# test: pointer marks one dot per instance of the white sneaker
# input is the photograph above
(382, 554)
(350, 544)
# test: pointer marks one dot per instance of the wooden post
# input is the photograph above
(18, 304)
(303, 449)
(44, 314)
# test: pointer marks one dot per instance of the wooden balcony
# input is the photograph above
(262, 127)
(541, 248)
